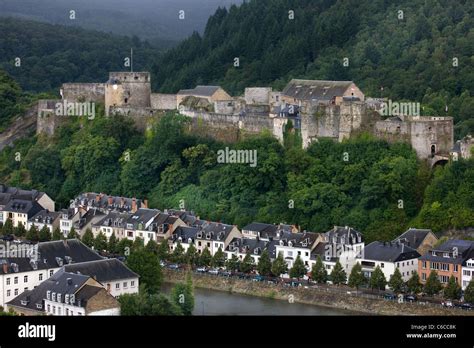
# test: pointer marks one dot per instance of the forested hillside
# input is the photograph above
(53, 54)
(410, 53)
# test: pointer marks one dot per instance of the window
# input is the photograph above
(435, 265)
(423, 276)
(423, 265)
(51, 273)
(444, 279)
(306, 254)
(15, 280)
(49, 308)
(199, 243)
(8, 281)
(299, 253)
(455, 268)
(40, 277)
(25, 279)
(54, 309)
(25, 289)
(466, 273)
(412, 262)
(216, 245)
(382, 265)
(132, 283)
(117, 286)
(16, 292)
(67, 311)
(59, 311)
(208, 244)
(9, 293)
(125, 284)
(290, 253)
(445, 267)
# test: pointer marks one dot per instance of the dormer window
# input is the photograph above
(53, 297)
(48, 295)
(445, 254)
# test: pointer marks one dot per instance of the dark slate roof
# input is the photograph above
(389, 252)
(323, 252)
(343, 235)
(102, 270)
(23, 206)
(458, 249)
(315, 89)
(58, 283)
(298, 240)
(188, 217)
(252, 246)
(8, 193)
(50, 255)
(260, 227)
(201, 91)
(87, 217)
(106, 202)
(215, 230)
(185, 233)
(141, 217)
(114, 219)
(69, 212)
(268, 231)
(44, 216)
(413, 237)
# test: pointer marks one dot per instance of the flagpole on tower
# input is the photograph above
(131, 59)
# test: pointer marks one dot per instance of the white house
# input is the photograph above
(467, 272)
(43, 218)
(292, 245)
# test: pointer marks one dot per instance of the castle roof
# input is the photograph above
(316, 89)
(200, 91)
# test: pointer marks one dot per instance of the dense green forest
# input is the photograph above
(410, 53)
(381, 189)
(53, 54)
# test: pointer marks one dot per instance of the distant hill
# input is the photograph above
(409, 53)
(154, 20)
(53, 54)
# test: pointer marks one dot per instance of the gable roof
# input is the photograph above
(44, 216)
(200, 91)
(8, 193)
(413, 237)
(23, 206)
(105, 270)
(389, 252)
(316, 89)
(252, 246)
(343, 235)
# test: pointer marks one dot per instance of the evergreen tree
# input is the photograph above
(7, 227)
(205, 258)
(218, 260)
(377, 280)
(178, 254)
(452, 290)
(124, 247)
(396, 281)
(338, 275)
(57, 235)
(138, 244)
(413, 284)
(433, 285)
(469, 292)
(32, 234)
(191, 255)
(152, 247)
(20, 230)
(163, 250)
(88, 238)
(279, 266)
(298, 270)
(112, 244)
(72, 234)
(247, 264)
(44, 234)
(264, 266)
(100, 242)
(183, 295)
(147, 266)
(318, 272)
(233, 264)
(356, 278)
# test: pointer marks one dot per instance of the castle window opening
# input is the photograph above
(433, 150)
(126, 100)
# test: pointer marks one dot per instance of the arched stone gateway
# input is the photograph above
(439, 161)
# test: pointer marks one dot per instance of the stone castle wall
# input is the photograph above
(81, 92)
(163, 101)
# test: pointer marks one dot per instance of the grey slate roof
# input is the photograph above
(389, 252)
(185, 233)
(315, 89)
(462, 248)
(70, 250)
(103, 271)
(215, 230)
(44, 216)
(413, 237)
(343, 235)
(106, 202)
(141, 217)
(298, 240)
(201, 91)
(268, 231)
(23, 206)
(252, 246)
(8, 193)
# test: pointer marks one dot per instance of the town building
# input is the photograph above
(114, 223)
(44, 218)
(67, 219)
(240, 247)
(184, 235)
(215, 235)
(19, 211)
(106, 203)
(468, 270)
(266, 231)
(137, 225)
(292, 245)
(417, 238)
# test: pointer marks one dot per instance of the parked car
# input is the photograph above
(466, 306)
(214, 271)
(225, 273)
(410, 298)
(389, 296)
(162, 263)
(257, 278)
(8, 238)
(173, 266)
(447, 304)
(201, 269)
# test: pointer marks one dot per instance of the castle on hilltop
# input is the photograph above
(316, 108)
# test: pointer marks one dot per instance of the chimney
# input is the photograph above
(69, 281)
(122, 202)
(97, 198)
(145, 203)
(5, 268)
(134, 205)
(111, 200)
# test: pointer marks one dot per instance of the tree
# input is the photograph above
(338, 275)
(298, 270)
(191, 256)
(44, 234)
(178, 254)
(20, 230)
(72, 234)
(247, 264)
(147, 266)
(7, 227)
(33, 234)
(163, 250)
(124, 247)
(218, 260)
(232, 264)
(183, 296)
(356, 278)
(100, 242)
(396, 281)
(377, 279)
(433, 285)
(452, 290)
(469, 292)
(57, 235)
(264, 266)
(318, 272)
(279, 266)
(413, 284)
(205, 258)
(152, 247)
(112, 244)
(138, 244)
(88, 238)
(146, 303)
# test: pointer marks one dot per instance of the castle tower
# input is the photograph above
(127, 89)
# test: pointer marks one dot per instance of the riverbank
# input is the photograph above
(312, 296)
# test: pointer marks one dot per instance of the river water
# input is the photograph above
(213, 302)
